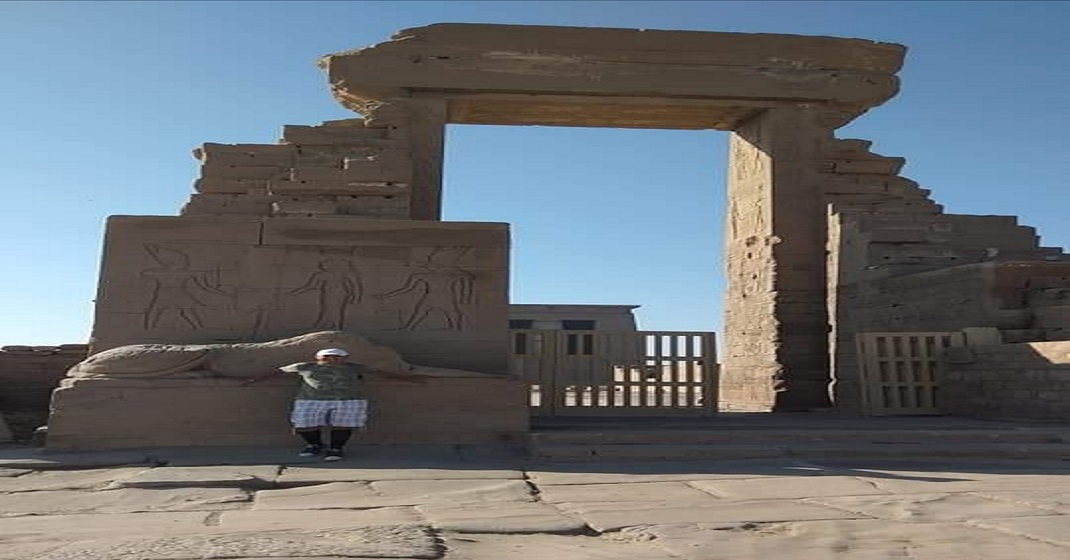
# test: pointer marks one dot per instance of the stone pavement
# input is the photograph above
(472, 503)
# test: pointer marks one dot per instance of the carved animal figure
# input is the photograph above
(244, 359)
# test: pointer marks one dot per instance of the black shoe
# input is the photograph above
(311, 451)
(333, 454)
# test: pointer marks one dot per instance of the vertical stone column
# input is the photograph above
(776, 321)
(419, 123)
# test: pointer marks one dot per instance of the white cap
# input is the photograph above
(331, 352)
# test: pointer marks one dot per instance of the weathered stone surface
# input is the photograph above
(66, 479)
(253, 477)
(553, 547)
(613, 516)
(665, 471)
(125, 500)
(925, 508)
(357, 495)
(1044, 528)
(279, 520)
(377, 542)
(10, 473)
(23, 551)
(1054, 499)
(862, 539)
(88, 526)
(489, 59)
(305, 476)
(500, 517)
(787, 488)
(625, 492)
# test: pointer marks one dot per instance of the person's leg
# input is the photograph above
(307, 418)
(345, 417)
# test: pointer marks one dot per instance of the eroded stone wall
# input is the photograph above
(898, 263)
(1030, 380)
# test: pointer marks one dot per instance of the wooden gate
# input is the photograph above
(609, 373)
(900, 371)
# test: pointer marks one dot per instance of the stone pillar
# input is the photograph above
(420, 124)
(776, 321)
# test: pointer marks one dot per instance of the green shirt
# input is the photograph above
(329, 382)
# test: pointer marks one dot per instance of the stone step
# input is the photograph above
(677, 452)
(787, 436)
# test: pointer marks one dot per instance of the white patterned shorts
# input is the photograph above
(340, 414)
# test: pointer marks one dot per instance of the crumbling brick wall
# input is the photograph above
(27, 376)
(1029, 380)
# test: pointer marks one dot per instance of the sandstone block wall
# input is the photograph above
(122, 413)
(339, 167)
(1029, 380)
(434, 291)
(898, 263)
(28, 374)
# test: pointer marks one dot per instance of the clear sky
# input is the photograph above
(103, 101)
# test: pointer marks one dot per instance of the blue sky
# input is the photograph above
(103, 101)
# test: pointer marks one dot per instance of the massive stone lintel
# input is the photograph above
(512, 74)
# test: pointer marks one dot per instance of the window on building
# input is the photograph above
(577, 325)
(521, 324)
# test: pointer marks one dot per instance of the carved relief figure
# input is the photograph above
(337, 286)
(441, 291)
(177, 289)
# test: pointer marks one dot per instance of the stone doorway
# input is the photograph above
(781, 97)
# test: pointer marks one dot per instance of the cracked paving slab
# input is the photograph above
(87, 526)
(236, 476)
(237, 520)
(926, 508)
(788, 488)
(67, 480)
(613, 516)
(126, 500)
(355, 495)
(1054, 529)
(680, 492)
(1053, 500)
(304, 476)
(546, 474)
(860, 539)
(501, 517)
(550, 547)
(363, 542)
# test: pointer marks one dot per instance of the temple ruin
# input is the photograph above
(337, 226)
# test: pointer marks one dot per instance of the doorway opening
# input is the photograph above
(601, 218)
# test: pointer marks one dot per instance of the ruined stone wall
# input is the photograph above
(1030, 380)
(27, 376)
(339, 167)
(898, 263)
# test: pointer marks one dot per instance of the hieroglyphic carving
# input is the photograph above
(442, 290)
(338, 286)
(177, 288)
